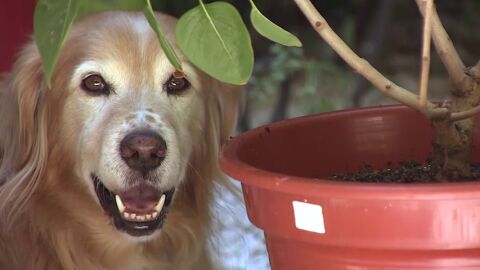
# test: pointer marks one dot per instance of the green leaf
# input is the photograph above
(214, 38)
(89, 6)
(52, 21)
(164, 43)
(270, 30)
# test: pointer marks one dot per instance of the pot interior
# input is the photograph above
(321, 145)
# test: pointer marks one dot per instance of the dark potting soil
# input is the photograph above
(406, 172)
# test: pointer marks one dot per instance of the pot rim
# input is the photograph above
(290, 184)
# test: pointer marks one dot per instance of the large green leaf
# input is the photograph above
(52, 20)
(164, 43)
(270, 30)
(89, 6)
(215, 39)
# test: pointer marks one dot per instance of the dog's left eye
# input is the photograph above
(176, 85)
(95, 84)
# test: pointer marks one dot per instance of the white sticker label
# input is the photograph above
(308, 217)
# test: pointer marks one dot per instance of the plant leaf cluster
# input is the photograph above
(212, 36)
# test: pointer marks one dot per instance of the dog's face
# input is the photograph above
(114, 145)
(132, 123)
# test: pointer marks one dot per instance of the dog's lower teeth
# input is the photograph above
(135, 217)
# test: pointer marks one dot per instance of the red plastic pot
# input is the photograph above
(315, 224)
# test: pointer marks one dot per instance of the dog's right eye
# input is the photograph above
(175, 85)
(95, 84)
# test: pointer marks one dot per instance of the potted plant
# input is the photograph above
(314, 223)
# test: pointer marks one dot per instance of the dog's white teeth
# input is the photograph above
(141, 218)
(159, 206)
(120, 205)
(137, 217)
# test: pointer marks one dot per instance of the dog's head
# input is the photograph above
(118, 120)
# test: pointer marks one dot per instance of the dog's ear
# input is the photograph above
(23, 139)
(223, 114)
(230, 101)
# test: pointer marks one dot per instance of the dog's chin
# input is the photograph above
(138, 212)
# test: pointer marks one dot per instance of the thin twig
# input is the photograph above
(465, 114)
(461, 80)
(364, 68)
(427, 37)
(445, 49)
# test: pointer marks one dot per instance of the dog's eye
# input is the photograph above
(95, 85)
(176, 85)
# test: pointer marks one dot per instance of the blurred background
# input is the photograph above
(289, 82)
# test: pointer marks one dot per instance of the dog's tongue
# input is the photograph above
(140, 199)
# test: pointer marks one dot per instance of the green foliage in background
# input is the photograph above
(312, 78)
(280, 64)
(221, 47)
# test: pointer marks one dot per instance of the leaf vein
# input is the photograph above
(217, 33)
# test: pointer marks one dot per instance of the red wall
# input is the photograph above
(16, 25)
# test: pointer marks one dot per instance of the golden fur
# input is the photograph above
(49, 217)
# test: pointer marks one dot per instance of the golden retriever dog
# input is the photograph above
(114, 165)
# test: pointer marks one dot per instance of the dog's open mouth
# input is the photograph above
(139, 211)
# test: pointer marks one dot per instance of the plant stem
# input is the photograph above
(474, 72)
(453, 141)
(364, 68)
(452, 145)
(427, 37)
(465, 114)
(473, 81)
(444, 46)
(164, 43)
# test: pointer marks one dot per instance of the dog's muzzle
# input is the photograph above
(139, 211)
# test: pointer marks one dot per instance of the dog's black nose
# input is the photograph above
(143, 150)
